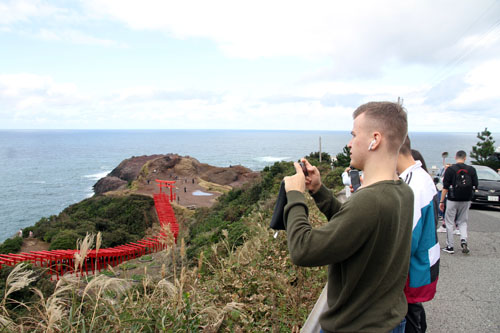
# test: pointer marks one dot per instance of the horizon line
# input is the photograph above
(210, 129)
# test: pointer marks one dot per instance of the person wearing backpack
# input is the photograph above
(459, 183)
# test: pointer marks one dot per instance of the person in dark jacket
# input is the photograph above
(459, 182)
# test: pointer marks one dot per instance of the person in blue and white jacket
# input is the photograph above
(424, 261)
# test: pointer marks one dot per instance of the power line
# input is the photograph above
(459, 59)
(440, 74)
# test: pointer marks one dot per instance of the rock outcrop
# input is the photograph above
(142, 171)
(109, 183)
(127, 171)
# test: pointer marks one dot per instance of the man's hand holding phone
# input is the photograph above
(307, 176)
(313, 177)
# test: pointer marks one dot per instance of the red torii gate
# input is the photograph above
(167, 183)
(59, 262)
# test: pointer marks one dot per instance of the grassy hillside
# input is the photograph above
(227, 273)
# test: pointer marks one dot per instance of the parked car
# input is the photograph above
(488, 191)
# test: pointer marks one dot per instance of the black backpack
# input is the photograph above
(462, 185)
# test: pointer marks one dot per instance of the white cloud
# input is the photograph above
(359, 38)
(33, 101)
(31, 94)
(74, 37)
(483, 88)
(49, 22)
(22, 10)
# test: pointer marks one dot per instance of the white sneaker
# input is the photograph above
(441, 229)
(456, 232)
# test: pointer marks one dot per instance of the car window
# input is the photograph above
(487, 174)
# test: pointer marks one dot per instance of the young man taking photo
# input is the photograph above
(424, 260)
(366, 243)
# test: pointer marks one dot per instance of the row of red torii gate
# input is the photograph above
(60, 262)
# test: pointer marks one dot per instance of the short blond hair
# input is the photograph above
(387, 117)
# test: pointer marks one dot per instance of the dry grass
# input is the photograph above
(213, 187)
(253, 288)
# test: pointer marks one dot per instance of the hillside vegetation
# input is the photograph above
(226, 273)
(119, 219)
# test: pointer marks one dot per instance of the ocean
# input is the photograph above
(44, 171)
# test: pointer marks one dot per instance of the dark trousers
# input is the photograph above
(415, 318)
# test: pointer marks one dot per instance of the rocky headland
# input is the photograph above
(197, 184)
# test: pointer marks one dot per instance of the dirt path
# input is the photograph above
(184, 189)
(34, 244)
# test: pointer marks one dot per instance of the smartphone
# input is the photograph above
(355, 181)
(304, 169)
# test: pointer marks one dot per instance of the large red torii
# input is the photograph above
(167, 183)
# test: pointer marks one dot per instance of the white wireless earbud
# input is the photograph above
(371, 144)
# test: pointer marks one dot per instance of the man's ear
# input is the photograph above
(375, 141)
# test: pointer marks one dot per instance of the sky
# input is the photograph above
(286, 65)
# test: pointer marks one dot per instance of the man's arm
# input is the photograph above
(326, 202)
(447, 180)
(475, 181)
(335, 241)
(443, 197)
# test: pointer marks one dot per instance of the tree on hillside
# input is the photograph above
(313, 158)
(343, 158)
(484, 151)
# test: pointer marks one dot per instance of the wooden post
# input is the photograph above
(319, 149)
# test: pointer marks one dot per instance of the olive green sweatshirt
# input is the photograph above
(366, 245)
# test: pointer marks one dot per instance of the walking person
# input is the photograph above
(366, 243)
(424, 260)
(459, 182)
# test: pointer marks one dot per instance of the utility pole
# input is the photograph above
(320, 149)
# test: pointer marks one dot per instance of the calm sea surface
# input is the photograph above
(44, 171)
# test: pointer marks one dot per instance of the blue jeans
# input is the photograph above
(398, 329)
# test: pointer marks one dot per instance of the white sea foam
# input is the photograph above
(89, 192)
(271, 159)
(39, 182)
(200, 193)
(97, 176)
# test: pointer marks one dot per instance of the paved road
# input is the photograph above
(468, 292)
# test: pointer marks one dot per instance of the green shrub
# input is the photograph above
(49, 235)
(119, 219)
(64, 240)
(127, 266)
(11, 245)
(333, 179)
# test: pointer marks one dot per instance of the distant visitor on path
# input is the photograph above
(20, 233)
(367, 241)
(459, 182)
